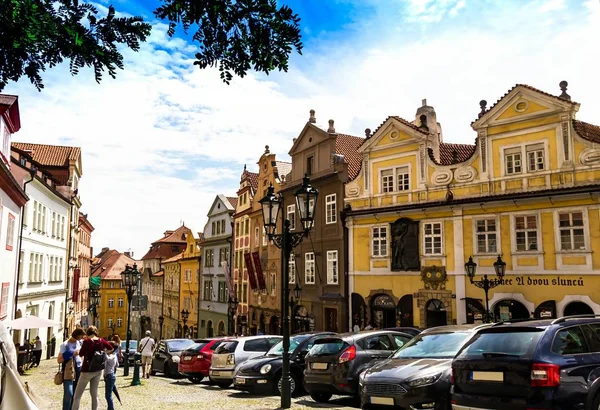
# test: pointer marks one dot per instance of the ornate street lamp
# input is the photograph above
(232, 305)
(185, 314)
(306, 199)
(130, 277)
(485, 283)
(161, 320)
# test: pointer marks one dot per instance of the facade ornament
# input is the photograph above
(563, 87)
(267, 150)
(482, 105)
(331, 128)
(368, 133)
(434, 277)
(312, 118)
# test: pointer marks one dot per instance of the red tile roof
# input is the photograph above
(403, 121)
(50, 155)
(347, 145)
(252, 178)
(448, 150)
(173, 259)
(111, 265)
(233, 201)
(172, 243)
(176, 236)
(587, 131)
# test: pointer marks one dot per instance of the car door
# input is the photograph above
(160, 355)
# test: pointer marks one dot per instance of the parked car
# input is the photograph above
(262, 374)
(195, 360)
(334, 363)
(166, 356)
(233, 352)
(417, 376)
(413, 331)
(133, 345)
(536, 364)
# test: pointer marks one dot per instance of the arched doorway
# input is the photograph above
(359, 311)
(301, 321)
(436, 313)
(510, 309)
(545, 310)
(383, 311)
(405, 311)
(221, 328)
(578, 308)
(261, 324)
(209, 329)
(475, 310)
(274, 325)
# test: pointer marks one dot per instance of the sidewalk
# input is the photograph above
(159, 393)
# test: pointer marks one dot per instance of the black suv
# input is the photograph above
(535, 364)
(334, 363)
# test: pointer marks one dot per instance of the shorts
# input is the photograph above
(146, 360)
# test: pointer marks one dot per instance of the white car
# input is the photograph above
(12, 392)
(233, 352)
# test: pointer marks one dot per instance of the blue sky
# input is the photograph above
(164, 138)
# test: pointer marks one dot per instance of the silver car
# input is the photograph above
(233, 352)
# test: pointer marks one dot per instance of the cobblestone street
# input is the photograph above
(160, 393)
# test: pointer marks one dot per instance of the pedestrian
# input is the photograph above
(68, 356)
(89, 347)
(369, 326)
(146, 346)
(117, 340)
(110, 373)
(37, 351)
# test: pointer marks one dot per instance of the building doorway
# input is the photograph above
(405, 311)
(331, 322)
(221, 328)
(209, 329)
(274, 325)
(261, 324)
(383, 311)
(578, 308)
(510, 310)
(436, 313)
(301, 321)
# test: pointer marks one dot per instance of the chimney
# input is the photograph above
(104, 250)
(312, 118)
(129, 254)
(331, 128)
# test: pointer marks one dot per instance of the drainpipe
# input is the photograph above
(19, 249)
(346, 318)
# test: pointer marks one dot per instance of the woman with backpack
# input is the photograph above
(93, 352)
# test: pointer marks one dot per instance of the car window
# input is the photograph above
(592, 336)
(215, 345)
(273, 341)
(432, 346)
(570, 341)
(179, 345)
(227, 347)
(509, 342)
(377, 342)
(400, 340)
(162, 347)
(256, 345)
(327, 346)
(311, 342)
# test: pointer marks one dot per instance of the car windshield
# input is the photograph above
(295, 341)
(328, 346)
(432, 346)
(179, 345)
(226, 347)
(196, 347)
(132, 345)
(509, 343)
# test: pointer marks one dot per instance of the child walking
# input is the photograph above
(110, 373)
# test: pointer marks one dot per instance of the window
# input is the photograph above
(380, 241)
(395, 180)
(110, 322)
(120, 302)
(387, 181)
(51, 268)
(112, 285)
(111, 303)
(273, 283)
(330, 209)
(570, 341)
(209, 258)
(10, 232)
(4, 299)
(208, 286)
(247, 227)
(512, 160)
(237, 229)
(432, 238)
(214, 228)
(53, 224)
(265, 240)
(378, 342)
(222, 292)
(309, 268)
(402, 179)
(486, 236)
(222, 225)
(245, 294)
(21, 263)
(309, 165)
(188, 275)
(526, 233)
(535, 157)
(332, 267)
(256, 235)
(571, 231)
(291, 216)
(120, 322)
(292, 268)
(223, 256)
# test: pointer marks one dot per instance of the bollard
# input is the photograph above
(136, 370)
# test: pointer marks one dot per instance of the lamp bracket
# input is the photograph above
(294, 239)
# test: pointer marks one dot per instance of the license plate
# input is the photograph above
(214, 373)
(240, 380)
(386, 401)
(487, 376)
(320, 366)
(186, 358)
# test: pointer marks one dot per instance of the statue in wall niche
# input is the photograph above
(405, 245)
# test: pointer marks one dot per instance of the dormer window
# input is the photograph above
(309, 165)
(512, 160)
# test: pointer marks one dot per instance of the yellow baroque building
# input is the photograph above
(528, 191)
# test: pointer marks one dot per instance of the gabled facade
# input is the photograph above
(12, 200)
(526, 190)
(190, 288)
(265, 304)
(171, 297)
(84, 263)
(216, 278)
(331, 160)
(43, 252)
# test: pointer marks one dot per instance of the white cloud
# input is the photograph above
(164, 138)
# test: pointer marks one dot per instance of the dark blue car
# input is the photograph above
(537, 364)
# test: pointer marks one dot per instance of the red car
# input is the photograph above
(195, 360)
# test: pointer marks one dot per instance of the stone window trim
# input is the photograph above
(498, 249)
(309, 268)
(380, 242)
(586, 233)
(514, 230)
(432, 235)
(523, 152)
(291, 216)
(332, 267)
(330, 209)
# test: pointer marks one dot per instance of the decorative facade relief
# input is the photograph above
(483, 146)
(565, 135)
(589, 156)
(465, 174)
(442, 177)
(422, 153)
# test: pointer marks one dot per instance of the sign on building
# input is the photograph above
(139, 303)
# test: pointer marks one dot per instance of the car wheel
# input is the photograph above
(195, 379)
(293, 385)
(321, 397)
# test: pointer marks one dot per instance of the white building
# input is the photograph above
(12, 199)
(44, 248)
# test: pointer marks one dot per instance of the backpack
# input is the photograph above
(98, 361)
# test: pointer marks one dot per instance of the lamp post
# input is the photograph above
(306, 199)
(94, 301)
(185, 314)
(130, 278)
(232, 305)
(485, 283)
(161, 320)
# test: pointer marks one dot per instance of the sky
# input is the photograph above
(164, 138)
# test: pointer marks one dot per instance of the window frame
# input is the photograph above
(379, 240)
(331, 264)
(513, 152)
(526, 230)
(292, 264)
(309, 262)
(10, 232)
(291, 210)
(394, 172)
(476, 233)
(330, 208)
(585, 227)
(433, 236)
